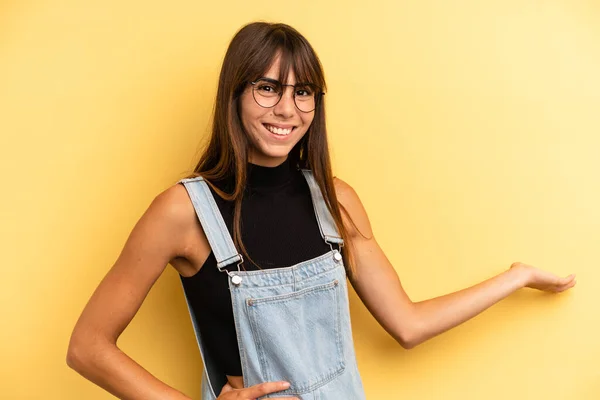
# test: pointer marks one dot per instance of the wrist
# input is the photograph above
(521, 274)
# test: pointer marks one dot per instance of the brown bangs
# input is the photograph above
(294, 55)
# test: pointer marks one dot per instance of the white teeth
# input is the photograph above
(278, 131)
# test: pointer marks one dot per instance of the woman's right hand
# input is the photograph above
(254, 392)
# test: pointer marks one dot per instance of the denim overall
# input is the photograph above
(292, 323)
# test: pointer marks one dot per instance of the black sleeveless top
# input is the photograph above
(279, 229)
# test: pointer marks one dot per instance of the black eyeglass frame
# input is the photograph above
(319, 93)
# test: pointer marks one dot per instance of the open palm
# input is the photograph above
(544, 280)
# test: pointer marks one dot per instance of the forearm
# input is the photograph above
(108, 367)
(434, 316)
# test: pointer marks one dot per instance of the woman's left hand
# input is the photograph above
(542, 280)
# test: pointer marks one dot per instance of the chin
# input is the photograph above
(275, 154)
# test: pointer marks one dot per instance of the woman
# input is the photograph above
(263, 238)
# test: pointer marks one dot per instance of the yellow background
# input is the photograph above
(469, 129)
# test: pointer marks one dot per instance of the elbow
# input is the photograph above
(409, 337)
(80, 352)
(75, 356)
(407, 343)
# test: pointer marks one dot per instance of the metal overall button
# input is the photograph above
(236, 280)
(337, 257)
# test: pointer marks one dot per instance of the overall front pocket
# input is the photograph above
(298, 336)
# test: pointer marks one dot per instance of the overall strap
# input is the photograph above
(326, 223)
(212, 222)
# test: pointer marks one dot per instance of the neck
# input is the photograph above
(261, 176)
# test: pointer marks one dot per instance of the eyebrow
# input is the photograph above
(275, 81)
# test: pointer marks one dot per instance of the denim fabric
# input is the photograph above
(292, 323)
(326, 222)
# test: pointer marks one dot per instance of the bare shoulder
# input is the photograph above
(176, 207)
(355, 216)
(346, 193)
(342, 188)
(174, 203)
(171, 211)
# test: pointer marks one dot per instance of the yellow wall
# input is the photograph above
(475, 126)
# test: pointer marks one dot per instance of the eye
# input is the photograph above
(304, 91)
(267, 88)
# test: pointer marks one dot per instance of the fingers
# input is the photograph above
(265, 388)
(566, 280)
(569, 284)
(553, 283)
(284, 398)
(226, 388)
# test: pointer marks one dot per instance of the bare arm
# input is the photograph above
(158, 236)
(411, 323)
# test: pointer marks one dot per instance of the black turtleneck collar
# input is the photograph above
(261, 177)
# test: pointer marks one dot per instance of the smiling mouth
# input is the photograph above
(279, 131)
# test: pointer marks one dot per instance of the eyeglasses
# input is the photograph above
(268, 92)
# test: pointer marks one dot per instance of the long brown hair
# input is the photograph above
(248, 57)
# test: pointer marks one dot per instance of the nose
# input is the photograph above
(286, 106)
